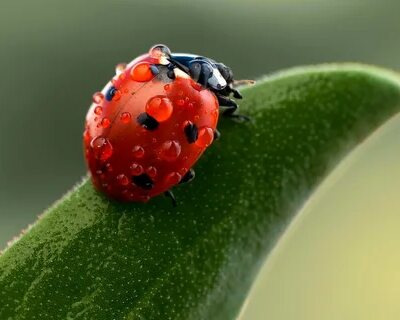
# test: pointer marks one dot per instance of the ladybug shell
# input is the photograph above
(130, 161)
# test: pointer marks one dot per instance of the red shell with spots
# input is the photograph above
(122, 153)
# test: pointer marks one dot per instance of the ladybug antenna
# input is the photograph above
(243, 82)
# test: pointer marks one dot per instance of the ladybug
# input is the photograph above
(150, 124)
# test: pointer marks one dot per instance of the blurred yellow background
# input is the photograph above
(340, 259)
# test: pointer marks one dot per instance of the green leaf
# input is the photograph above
(89, 258)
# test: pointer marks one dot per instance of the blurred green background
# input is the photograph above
(55, 54)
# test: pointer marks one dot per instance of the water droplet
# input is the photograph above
(125, 117)
(190, 104)
(205, 137)
(160, 108)
(158, 51)
(117, 95)
(182, 171)
(141, 72)
(138, 152)
(136, 169)
(122, 180)
(167, 87)
(180, 93)
(180, 102)
(196, 117)
(154, 140)
(151, 171)
(102, 148)
(170, 150)
(99, 172)
(173, 178)
(98, 110)
(120, 67)
(105, 122)
(98, 97)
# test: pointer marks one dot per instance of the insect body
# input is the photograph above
(149, 125)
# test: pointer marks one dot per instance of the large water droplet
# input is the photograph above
(158, 51)
(138, 152)
(170, 150)
(102, 148)
(141, 72)
(205, 137)
(160, 108)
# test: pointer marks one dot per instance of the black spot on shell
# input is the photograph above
(191, 132)
(143, 181)
(154, 69)
(110, 93)
(147, 121)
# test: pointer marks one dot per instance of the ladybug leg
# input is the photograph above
(189, 176)
(230, 107)
(236, 93)
(170, 195)
(217, 135)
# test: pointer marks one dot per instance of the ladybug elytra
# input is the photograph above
(147, 128)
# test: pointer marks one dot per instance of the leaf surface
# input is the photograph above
(91, 258)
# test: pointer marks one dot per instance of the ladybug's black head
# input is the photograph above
(209, 73)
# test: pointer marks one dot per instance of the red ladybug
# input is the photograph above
(153, 121)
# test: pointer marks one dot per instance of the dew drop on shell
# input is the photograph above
(170, 150)
(160, 108)
(141, 72)
(125, 117)
(98, 97)
(138, 152)
(136, 169)
(205, 137)
(102, 148)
